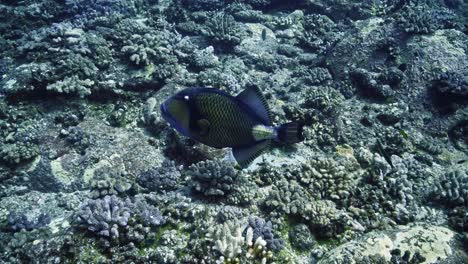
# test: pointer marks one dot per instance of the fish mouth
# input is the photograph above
(164, 111)
(166, 115)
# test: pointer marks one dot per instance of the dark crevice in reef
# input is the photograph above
(458, 135)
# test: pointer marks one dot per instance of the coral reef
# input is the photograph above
(163, 178)
(287, 197)
(236, 247)
(451, 189)
(421, 18)
(110, 178)
(320, 32)
(263, 229)
(223, 29)
(91, 172)
(213, 178)
(119, 221)
(72, 85)
(14, 154)
(19, 222)
(228, 240)
(458, 219)
(328, 179)
(301, 237)
(104, 217)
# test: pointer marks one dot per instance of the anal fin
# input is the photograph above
(246, 155)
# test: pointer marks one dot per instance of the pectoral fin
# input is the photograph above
(203, 126)
(246, 155)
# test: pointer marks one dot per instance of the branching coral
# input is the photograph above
(325, 219)
(320, 32)
(147, 215)
(257, 251)
(393, 142)
(458, 218)
(72, 85)
(92, 8)
(18, 222)
(228, 240)
(223, 28)
(109, 186)
(324, 99)
(264, 230)
(205, 58)
(118, 221)
(451, 83)
(76, 137)
(105, 217)
(213, 177)
(389, 194)
(177, 207)
(397, 183)
(139, 49)
(17, 153)
(313, 76)
(422, 19)
(21, 79)
(326, 178)
(318, 104)
(301, 237)
(451, 189)
(370, 85)
(288, 197)
(109, 178)
(162, 178)
(237, 247)
(202, 4)
(406, 258)
(244, 192)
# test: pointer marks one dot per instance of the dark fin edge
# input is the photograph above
(254, 98)
(244, 156)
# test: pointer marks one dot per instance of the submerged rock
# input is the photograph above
(433, 243)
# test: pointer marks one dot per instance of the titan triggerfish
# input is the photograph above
(219, 120)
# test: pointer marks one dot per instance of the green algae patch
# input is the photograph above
(345, 151)
(60, 173)
(89, 253)
(283, 256)
(369, 25)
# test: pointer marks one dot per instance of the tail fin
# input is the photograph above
(290, 133)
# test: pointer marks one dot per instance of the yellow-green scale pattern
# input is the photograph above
(230, 125)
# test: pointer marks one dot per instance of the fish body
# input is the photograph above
(217, 119)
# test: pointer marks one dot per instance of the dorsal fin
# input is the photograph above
(254, 98)
(246, 155)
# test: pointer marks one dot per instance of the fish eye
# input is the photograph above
(186, 97)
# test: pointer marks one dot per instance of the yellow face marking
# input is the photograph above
(179, 110)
